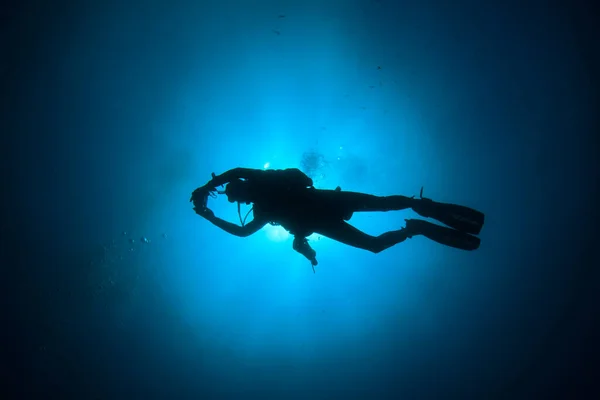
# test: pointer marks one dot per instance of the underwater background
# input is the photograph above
(114, 112)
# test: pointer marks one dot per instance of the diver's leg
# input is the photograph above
(462, 218)
(357, 202)
(441, 234)
(345, 233)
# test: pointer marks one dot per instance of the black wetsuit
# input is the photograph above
(287, 198)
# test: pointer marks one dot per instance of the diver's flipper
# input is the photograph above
(442, 235)
(462, 218)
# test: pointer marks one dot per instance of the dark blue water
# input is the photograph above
(115, 112)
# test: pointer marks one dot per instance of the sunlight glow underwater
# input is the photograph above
(276, 233)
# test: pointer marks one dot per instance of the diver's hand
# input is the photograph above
(205, 212)
(312, 256)
(211, 185)
(200, 195)
(313, 263)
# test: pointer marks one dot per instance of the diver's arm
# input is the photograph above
(236, 230)
(301, 246)
(235, 173)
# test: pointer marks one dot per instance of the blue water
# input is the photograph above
(119, 111)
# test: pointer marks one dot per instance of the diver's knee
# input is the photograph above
(389, 239)
(376, 247)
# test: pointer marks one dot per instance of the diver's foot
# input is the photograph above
(464, 219)
(441, 234)
(422, 205)
(415, 227)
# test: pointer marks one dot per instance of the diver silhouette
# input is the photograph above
(288, 198)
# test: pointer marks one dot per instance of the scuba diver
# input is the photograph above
(288, 198)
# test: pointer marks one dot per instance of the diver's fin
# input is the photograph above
(441, 234)
(464, 219)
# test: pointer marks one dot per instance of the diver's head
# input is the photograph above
(238, 190)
